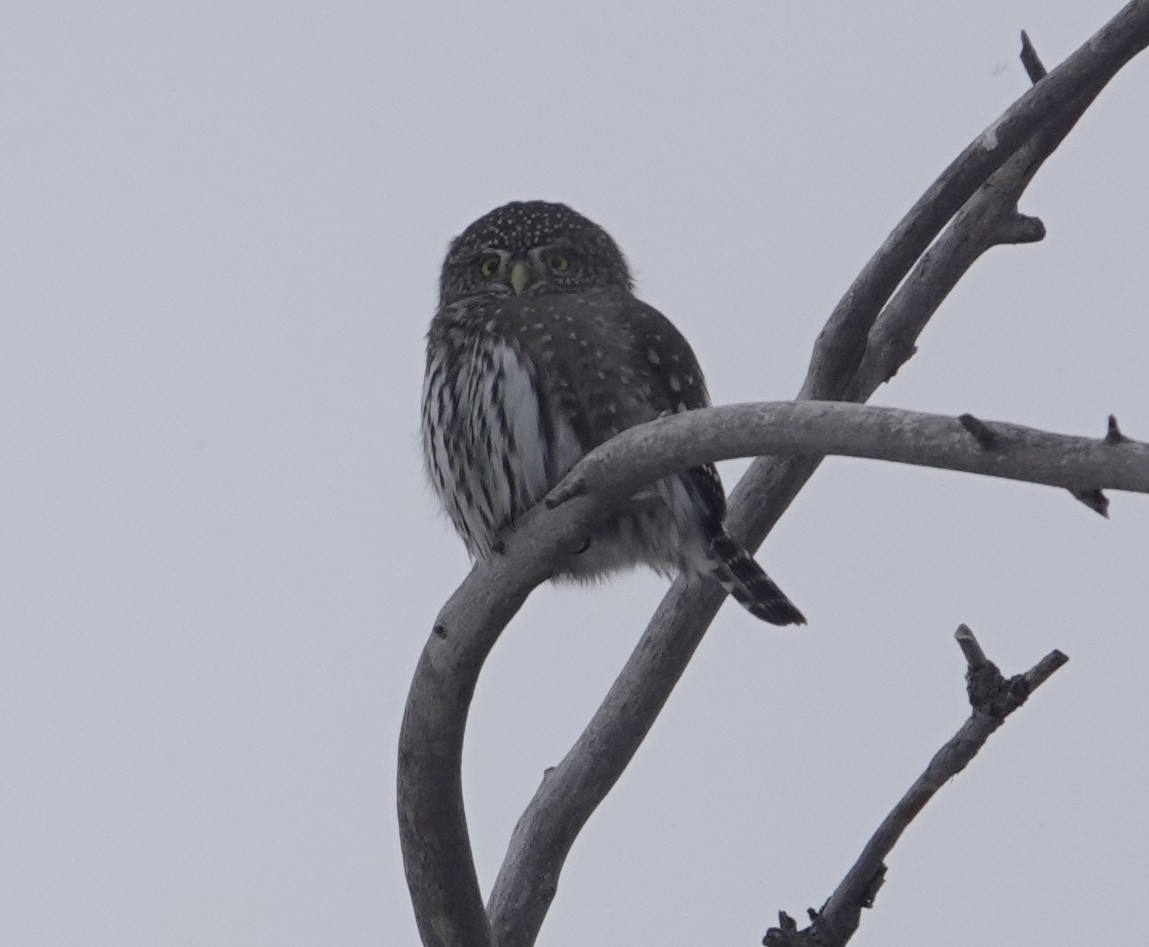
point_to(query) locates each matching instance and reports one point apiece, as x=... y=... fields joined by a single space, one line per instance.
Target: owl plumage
x=540 y=352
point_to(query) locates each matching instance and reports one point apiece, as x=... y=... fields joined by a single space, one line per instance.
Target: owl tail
x=752 y=588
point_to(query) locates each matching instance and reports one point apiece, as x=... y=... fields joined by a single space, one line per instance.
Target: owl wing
x=677 y=385
x=668 y=358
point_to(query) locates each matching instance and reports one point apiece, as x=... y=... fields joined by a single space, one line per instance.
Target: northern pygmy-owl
x=540 y=352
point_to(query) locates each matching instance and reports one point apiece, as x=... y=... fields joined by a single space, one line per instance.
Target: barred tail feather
x=738 y=573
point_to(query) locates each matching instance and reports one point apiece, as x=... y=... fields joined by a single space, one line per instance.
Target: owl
x=540 y=352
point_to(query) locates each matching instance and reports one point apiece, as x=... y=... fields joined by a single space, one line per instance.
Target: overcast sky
x=221 y=226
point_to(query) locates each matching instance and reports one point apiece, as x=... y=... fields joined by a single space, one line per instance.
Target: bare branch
x=841 y=343
x=636 y=457
x=1034 y=68
x=1096 y=500
x=982 y=432
x=990 y=218
x=993 y=698
x=1113 y=435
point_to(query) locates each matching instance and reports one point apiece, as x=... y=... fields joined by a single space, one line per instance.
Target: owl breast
x=491 y=449
x=516 y=392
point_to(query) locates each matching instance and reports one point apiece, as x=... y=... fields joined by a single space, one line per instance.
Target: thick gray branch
x=625 y=464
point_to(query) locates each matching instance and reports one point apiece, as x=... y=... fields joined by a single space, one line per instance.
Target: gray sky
x=220 y=233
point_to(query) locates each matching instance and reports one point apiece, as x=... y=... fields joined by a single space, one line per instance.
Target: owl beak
x=519 y=276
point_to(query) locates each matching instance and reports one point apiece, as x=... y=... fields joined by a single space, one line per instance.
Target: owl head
x=535 y=248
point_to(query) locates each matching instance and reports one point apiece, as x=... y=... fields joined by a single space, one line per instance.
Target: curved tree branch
x=611 y=473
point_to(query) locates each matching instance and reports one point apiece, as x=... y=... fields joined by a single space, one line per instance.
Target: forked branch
x=432 y=822
x=861 y=346
x=521 y=896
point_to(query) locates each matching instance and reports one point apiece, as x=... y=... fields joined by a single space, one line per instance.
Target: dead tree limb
x=992 y=698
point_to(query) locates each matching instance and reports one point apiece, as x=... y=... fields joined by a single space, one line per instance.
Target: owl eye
x=489 y=265
x=559 y=263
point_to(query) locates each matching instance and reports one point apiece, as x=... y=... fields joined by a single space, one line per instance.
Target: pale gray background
x=221 y=229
